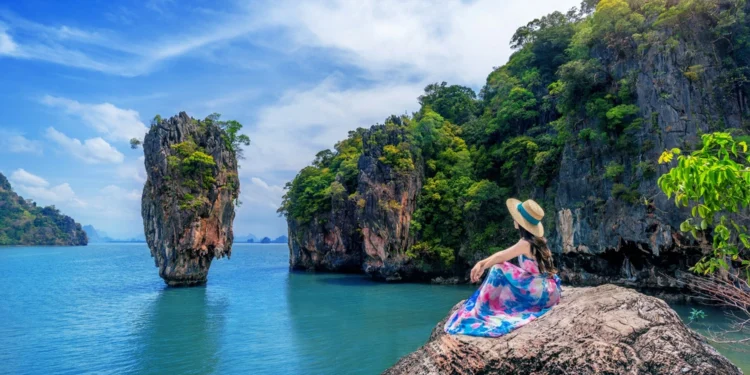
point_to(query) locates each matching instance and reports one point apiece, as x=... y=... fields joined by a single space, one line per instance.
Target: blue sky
x=78 y=79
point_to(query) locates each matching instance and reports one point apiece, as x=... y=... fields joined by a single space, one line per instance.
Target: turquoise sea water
x=103 y=309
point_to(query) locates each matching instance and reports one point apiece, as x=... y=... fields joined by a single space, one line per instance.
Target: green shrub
x=647 y=169
x=397 y=157
x=613 y=170
x=625 y=193
x=693 y=73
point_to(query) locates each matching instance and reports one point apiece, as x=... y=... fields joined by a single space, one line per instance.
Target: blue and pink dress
x=510 y=297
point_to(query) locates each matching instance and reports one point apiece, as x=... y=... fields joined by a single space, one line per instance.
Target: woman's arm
x=521 y=247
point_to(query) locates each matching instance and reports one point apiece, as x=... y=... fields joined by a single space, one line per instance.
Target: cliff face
x=366 y=229
x=680 y=93
x=23 y=223
x=328 y=242
x=188 y=200
x=603 y=330
x=389 y=198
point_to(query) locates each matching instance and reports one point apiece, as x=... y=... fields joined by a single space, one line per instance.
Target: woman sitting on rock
x=511 y=296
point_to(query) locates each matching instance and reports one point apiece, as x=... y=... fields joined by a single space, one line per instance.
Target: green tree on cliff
x=232 y=137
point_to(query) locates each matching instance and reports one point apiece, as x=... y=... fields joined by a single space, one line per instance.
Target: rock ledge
x=602 y=330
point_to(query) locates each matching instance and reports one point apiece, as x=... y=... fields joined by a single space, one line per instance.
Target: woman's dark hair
x=540 y=251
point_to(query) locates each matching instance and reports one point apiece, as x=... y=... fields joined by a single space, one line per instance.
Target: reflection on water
x=716 y=321
x=179 y=332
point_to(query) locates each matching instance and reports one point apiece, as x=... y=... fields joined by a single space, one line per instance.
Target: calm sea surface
x=103 y=309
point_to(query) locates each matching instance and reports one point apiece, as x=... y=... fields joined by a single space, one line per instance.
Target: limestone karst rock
x=673 y=76
x=602 y=330
x=189 y=197
x=368 y=231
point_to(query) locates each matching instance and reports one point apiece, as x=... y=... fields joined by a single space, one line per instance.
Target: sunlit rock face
x=188 y=200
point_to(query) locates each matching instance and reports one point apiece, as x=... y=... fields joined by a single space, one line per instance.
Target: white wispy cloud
x=7 y=46
x=17 y=143
x=92 y=151
x=31 y=186
x=112 y=53
x=20 y=176
x=120 y=193
x=113 y=209
x=289 y=133
x=116 y=124
x=457 y=41
x=257 y=214
x=159 y=6
x=133 y=171
x=58 y=194
x=259 y=193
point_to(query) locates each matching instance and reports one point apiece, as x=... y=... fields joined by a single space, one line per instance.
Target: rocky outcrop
x=602 y=330
x=22 y=222
x=623 y=229
x=188 y=200
x=368 y=231
x=327 y=243
x=389 y=199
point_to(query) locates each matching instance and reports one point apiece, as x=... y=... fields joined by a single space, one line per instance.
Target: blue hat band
x=526 y=215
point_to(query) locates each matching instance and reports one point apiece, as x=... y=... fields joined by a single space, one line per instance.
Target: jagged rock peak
x=188 y=200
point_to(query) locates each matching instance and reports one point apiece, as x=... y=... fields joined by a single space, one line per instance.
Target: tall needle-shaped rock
x=189 y=196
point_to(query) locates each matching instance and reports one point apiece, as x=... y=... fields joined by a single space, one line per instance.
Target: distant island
x=96 y=236
x=22 y=222
x=249 y=238
x=280 y=239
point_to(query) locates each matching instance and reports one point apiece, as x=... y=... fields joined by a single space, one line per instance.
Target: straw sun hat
x=528 y=215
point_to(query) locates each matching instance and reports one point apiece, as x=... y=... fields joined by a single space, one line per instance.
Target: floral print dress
x=510 y=297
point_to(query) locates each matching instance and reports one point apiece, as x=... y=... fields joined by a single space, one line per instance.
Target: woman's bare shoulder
x=524 y=247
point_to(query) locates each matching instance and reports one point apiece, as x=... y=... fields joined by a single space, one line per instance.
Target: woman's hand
x=477 y=271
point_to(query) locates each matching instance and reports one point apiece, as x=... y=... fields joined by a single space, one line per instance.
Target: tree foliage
x=22 y=222
x=455 y=103
x=233 y=139
x=715 y=182
x=331 y=178
x=568 y=90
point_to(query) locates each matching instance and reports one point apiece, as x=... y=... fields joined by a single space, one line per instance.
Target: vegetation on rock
x=570 y=88
x=22 y=222
x=189 y=196
x=715 y=182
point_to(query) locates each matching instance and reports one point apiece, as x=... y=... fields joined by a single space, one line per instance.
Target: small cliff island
x=189 y=197
x=22 y=222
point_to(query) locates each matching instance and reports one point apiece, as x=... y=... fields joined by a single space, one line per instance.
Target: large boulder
x=602 y=330
x=189 y=196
